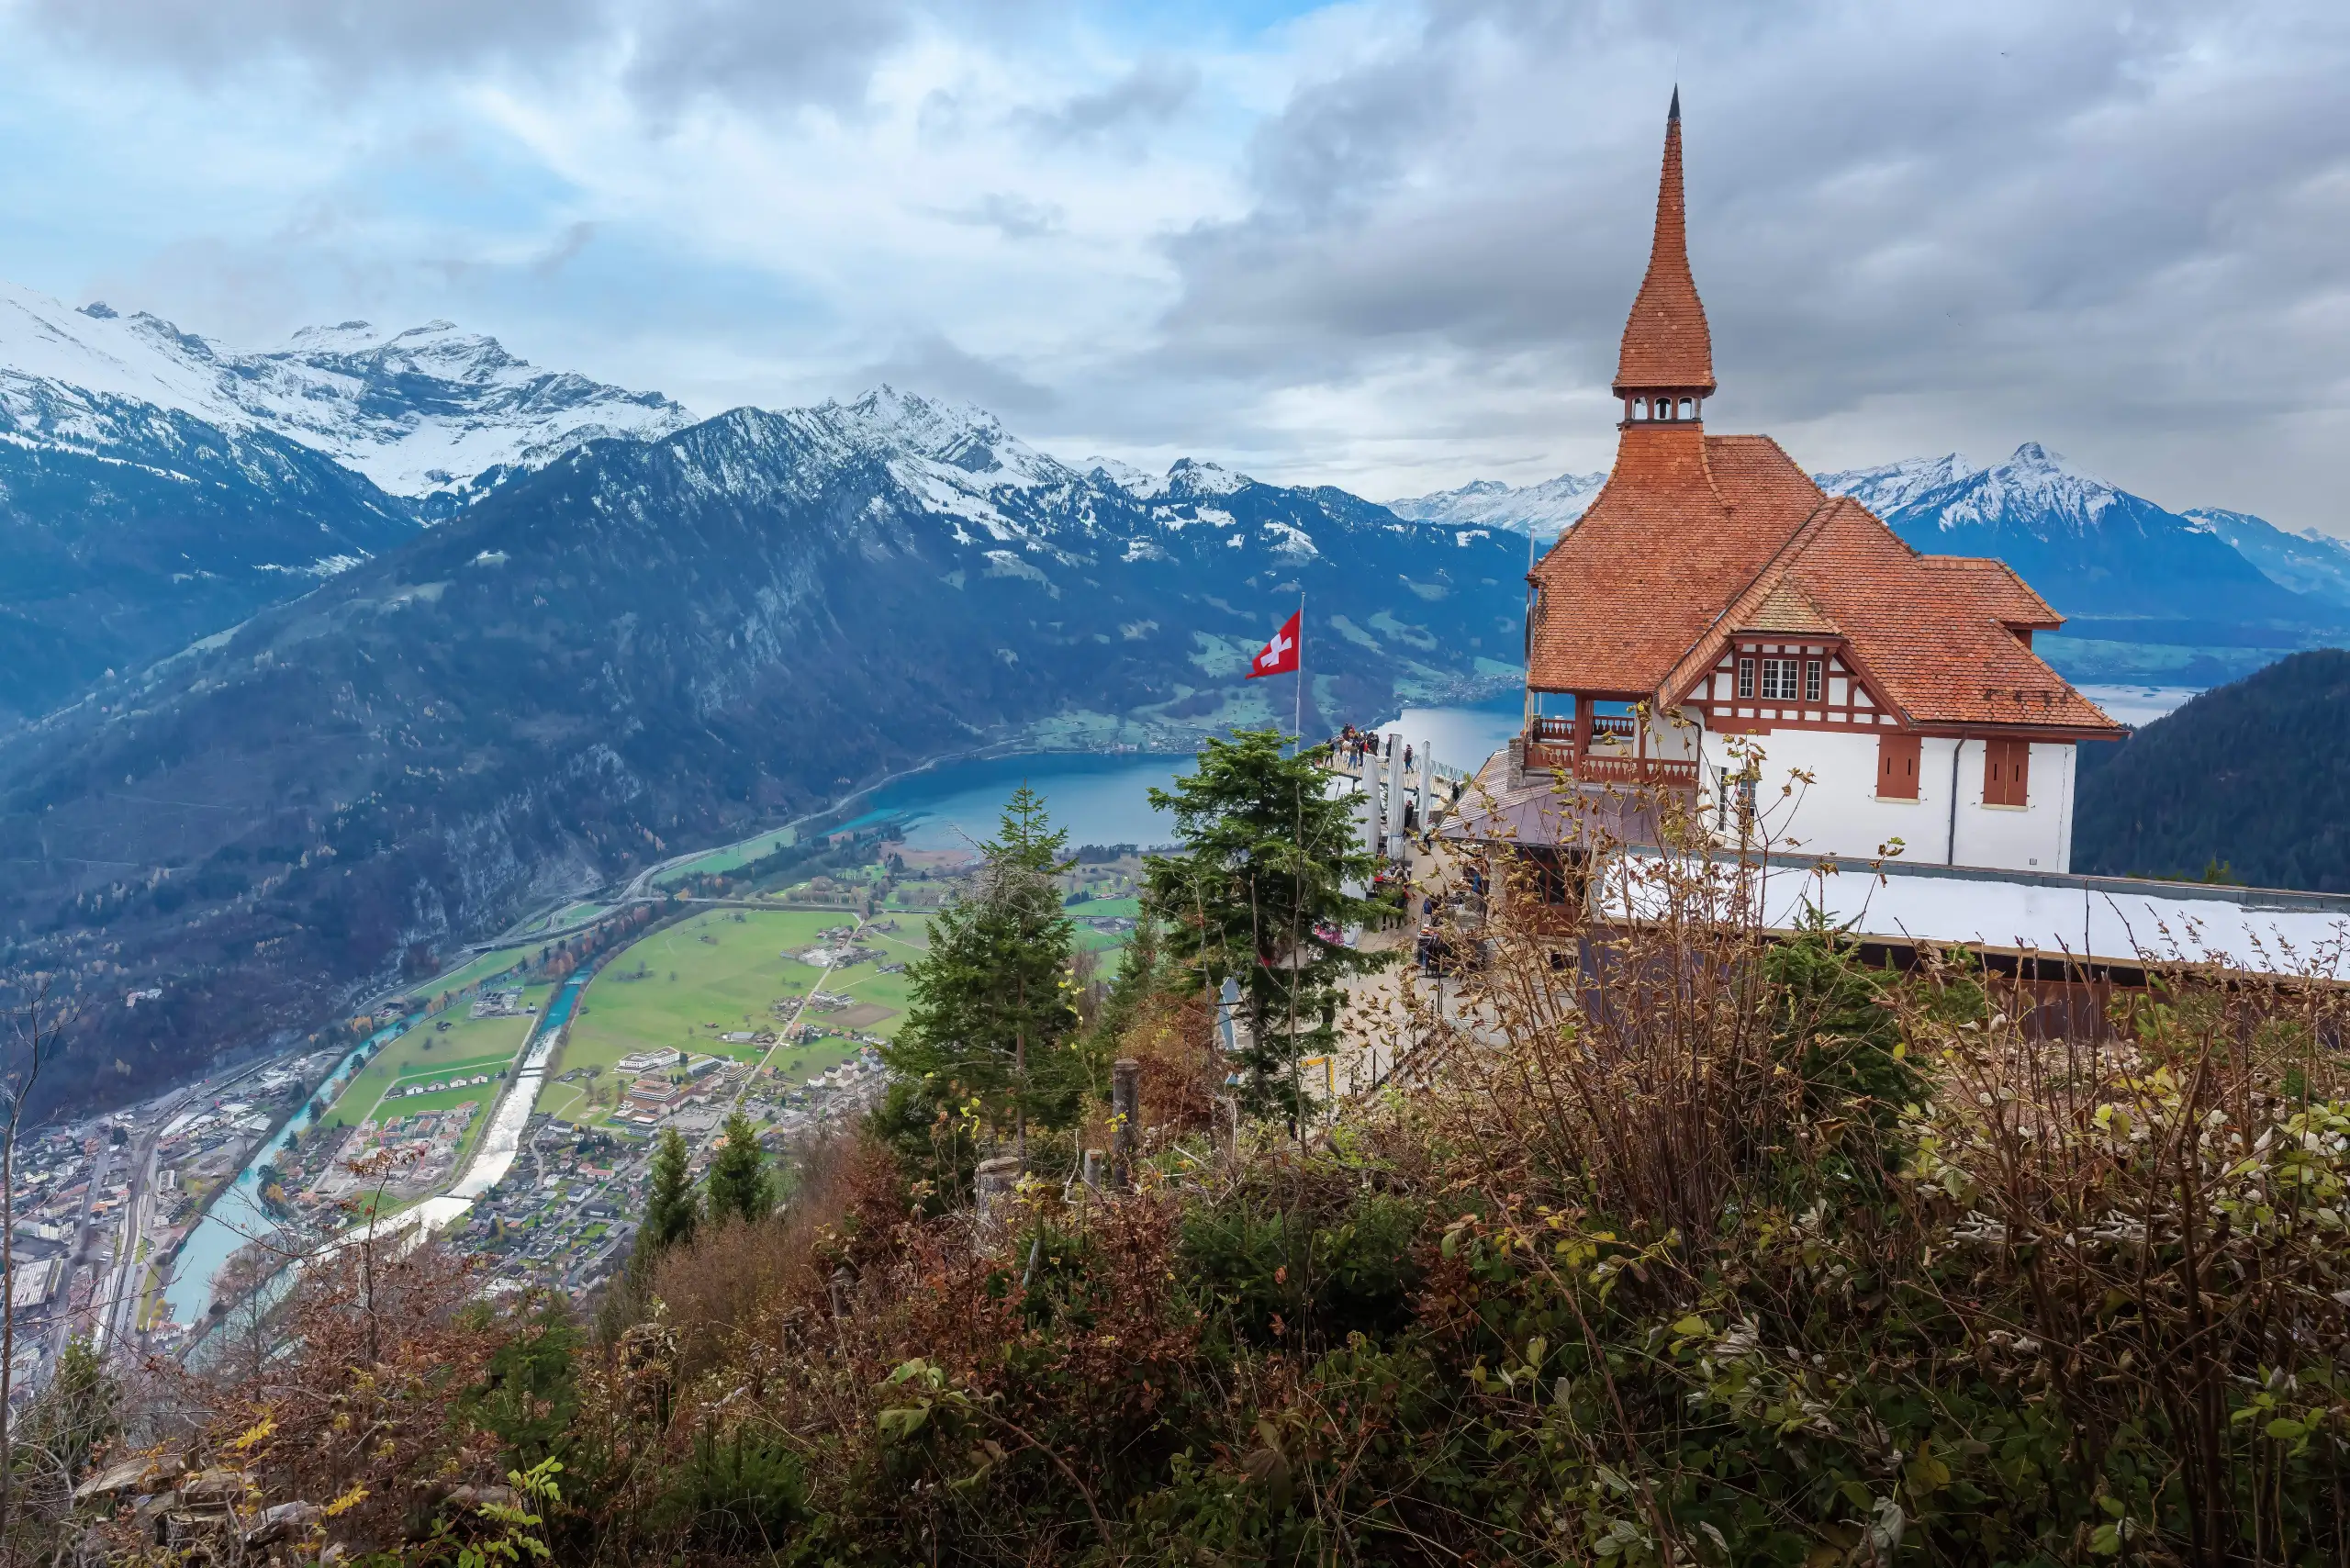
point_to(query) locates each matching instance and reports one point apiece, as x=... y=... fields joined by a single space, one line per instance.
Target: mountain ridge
x=2247 y=775
x=422 y=412
x=655 y=643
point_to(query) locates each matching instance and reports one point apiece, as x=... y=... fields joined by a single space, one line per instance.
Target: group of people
x=1354 y=744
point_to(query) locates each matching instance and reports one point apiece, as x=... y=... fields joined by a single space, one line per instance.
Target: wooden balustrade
x=1551 y=743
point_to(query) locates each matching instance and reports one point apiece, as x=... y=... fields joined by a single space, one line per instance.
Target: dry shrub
x=1933 y=1269
x=355 y=1416
x=716 y=1286
x=1047 y=1343
x=1183 y=1072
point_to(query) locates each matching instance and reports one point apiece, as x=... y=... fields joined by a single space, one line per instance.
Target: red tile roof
x=1994 y=584
x=1696 y=537
x=1683 y=523
x=1932 y=635
x=1666 y=344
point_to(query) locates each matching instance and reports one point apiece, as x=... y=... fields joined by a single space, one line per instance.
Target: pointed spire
x=1666 y=344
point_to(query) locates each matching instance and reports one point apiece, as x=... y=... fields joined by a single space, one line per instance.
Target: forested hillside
x=1710 y=1257
x=2254 y=777
x=658 y=645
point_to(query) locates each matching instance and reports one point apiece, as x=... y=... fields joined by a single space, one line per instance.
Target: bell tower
x=1665 y=372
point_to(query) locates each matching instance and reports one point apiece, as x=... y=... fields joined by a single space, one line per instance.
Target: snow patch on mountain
x=423 y=411
x=1550 y=509
x=1139 y=483
x=2034 y=491
x=1892 y=486
x=2307 y=562
x=1193 y=478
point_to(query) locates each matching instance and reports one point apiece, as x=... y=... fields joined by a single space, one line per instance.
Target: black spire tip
x=1672 y=115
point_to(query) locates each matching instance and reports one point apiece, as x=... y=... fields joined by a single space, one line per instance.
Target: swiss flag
x=1280 y=656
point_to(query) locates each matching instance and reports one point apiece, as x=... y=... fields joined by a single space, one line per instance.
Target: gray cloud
x=1154 y=92
x=755 y=53
x=932 y=364
x=1012 y=216
x=2120 y=226
x=348 y=38
x=567 y=246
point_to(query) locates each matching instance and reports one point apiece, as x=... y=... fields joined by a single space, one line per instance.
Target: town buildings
x=1718 y=629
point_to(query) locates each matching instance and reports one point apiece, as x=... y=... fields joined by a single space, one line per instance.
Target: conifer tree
x=739 y=1183
x=992 y=1005
x=1259 y=896
x=673 y=1210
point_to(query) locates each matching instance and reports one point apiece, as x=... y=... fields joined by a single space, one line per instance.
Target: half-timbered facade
x=1718 y=624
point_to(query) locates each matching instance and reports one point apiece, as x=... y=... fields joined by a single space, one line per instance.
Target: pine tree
x=992 y=1005
x=673 y=1210
x=1259 y=895
x=738 y=1175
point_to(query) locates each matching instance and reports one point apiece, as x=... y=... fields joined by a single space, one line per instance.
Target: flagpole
x=1297 y=721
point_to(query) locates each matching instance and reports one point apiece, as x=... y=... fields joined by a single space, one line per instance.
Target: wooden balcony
x=1610 y=754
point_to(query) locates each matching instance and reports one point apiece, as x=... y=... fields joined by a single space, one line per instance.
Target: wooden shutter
x=2007 y=772
x=1896 y=766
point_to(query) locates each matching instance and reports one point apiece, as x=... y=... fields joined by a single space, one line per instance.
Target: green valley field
x=724 y=973
x=429 y=1053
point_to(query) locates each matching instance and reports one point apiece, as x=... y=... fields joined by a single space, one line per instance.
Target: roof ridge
x=1713 y=622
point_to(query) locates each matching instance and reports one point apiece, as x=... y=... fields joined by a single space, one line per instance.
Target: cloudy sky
x=1388 y=245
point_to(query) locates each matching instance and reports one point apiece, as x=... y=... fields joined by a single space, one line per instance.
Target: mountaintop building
x=1717 y=625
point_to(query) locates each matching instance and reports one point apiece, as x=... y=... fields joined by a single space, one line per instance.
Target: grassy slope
x=430 y=1052
x=482 y=967
x=730 y=858
x=1102 y=908
x=726 y=971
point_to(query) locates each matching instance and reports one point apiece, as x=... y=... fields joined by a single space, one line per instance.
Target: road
x=119 y=1323
x=61 y=1322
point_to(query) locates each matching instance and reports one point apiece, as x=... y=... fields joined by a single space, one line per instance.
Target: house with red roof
x=1717 y=625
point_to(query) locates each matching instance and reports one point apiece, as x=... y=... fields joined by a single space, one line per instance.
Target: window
x=1897 y=766
x=1811 y=681
x=1779 y=679
x=1552 y=877
x=1743 y=785
x=2007 y=772
x=1746 y=678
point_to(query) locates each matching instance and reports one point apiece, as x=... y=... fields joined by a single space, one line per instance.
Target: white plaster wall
x=2033 y=838
x=1840 y=812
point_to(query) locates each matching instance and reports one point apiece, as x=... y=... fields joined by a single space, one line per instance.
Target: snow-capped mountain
x=962 y=465
x=1897 y=485
x=2308 y=562
x=663 y=642
x=2035 y=491
x=425 y=412
x=2126 y=569
x=1550 y=509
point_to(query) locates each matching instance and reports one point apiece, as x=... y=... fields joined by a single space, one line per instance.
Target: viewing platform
x=1600 y=748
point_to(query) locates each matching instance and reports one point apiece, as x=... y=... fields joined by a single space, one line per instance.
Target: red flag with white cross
x=1280 y=656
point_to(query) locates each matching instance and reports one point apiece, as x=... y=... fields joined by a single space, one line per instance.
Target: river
x=236 y=1215
x=1098 y=799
